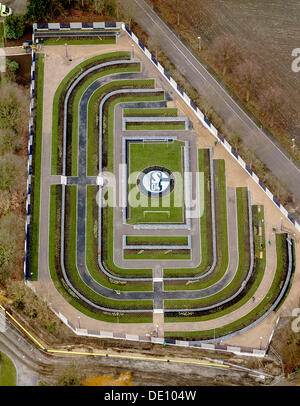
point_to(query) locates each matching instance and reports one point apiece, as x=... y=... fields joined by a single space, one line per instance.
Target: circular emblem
x=155 y=181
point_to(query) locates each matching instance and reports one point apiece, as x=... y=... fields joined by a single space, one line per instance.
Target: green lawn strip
x=8 y=373
x=61 y=286
x=205 y=227
x=284 y=259
x=154 y=112
x=252 y=286
x=79 y=42
x=161 y=209
x=108 y=211
x=109 y=126
x=92 y=250
x=156 y=254
x=77 y=94
x=244 y=260
x=93 y=107
x=158 y=126
x=156 y=240
x=71 y=266
x=61 y=91
x=36 y=173
x=254 y=314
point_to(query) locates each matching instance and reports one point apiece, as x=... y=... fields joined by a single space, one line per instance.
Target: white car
x=4 y=10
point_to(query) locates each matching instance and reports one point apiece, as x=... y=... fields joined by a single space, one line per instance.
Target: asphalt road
x=213 y=93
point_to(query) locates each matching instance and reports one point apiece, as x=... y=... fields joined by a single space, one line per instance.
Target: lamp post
x=260 y=342
x=199 y=40
x=66 y=45
x=281 y=224
x=293 y=146
x=78 y=321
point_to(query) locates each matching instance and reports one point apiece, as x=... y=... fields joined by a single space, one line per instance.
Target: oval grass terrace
x=91 y=296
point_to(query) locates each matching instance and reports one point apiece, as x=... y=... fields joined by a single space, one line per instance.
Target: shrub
x=14 y=26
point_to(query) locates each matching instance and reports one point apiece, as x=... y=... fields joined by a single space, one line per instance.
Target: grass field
x=8 y=374
x=154 y=112
x=156 y=254
x=158 y=126
x=164 y=209
x=79 y=42
x=156 y=240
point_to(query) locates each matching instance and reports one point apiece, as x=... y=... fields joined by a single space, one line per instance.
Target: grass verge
x=8 y=373
x=155 y=126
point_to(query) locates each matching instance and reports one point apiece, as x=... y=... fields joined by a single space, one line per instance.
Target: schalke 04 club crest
x=155 y=181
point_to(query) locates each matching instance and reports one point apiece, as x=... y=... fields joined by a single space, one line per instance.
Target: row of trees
x=45 y=10
x=236 y=64
x=13 y=134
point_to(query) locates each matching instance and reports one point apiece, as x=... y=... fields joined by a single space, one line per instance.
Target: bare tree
x=249 y=76
x=178 y=4
x=98 y=6
x=275 y=105
x=154 y=43
x=225 y=52
x=126 y=12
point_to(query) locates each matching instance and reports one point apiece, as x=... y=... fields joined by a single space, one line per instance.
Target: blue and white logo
x=156 y=181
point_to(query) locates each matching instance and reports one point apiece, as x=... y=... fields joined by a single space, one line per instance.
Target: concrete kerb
x=207 y=124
